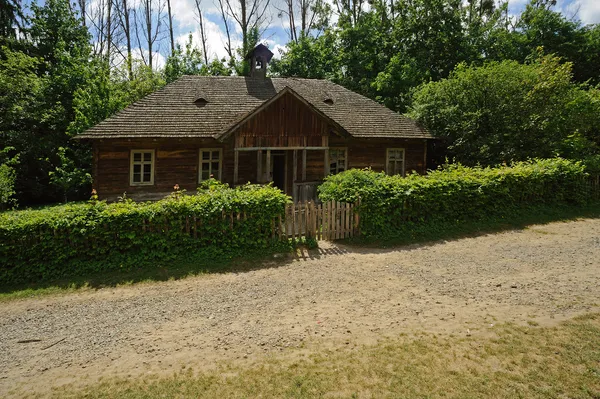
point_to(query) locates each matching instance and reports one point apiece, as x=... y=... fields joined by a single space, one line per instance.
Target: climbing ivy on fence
x=96 y=236
x=390 y=206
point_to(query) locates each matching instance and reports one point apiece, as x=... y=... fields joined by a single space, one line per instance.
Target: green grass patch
x=510 y=362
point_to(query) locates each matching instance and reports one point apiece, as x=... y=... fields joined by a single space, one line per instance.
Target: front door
x=278 y=169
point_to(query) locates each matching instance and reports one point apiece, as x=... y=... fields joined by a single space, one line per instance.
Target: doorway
x=278 y=169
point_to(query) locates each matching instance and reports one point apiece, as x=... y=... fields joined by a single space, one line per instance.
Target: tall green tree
x=41 y=85
x=507 y=111
x=11 y=15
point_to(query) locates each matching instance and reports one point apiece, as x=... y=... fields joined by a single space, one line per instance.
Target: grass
x=191 y=266
x=510 y=362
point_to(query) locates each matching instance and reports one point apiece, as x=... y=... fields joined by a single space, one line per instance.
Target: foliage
x=391 y=206
x=11 y=12
x=506 y=111
x=38 y=95
x=92 y=237
x=68 y=177
x=190 y=62
x=312 y=58
x=7 y=178
x=7 y=184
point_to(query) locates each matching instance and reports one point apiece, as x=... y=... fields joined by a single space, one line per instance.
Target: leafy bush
x=7 y=184
x=391 y=205
x=96 y=236
x=507 y=111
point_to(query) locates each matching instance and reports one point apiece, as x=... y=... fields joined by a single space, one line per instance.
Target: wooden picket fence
x=593 y=183
x=331 y=220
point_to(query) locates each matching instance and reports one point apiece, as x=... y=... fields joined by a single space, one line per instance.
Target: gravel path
x=333 y=296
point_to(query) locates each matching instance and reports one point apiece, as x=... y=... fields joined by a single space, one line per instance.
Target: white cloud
x=158 y=60
x=184 y=12
x=588 y=11
x=216 y=39
x=274 y=47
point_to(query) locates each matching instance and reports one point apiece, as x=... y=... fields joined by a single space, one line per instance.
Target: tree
x=149 y=21
x=203 y=36
x=171 y=27
x=249 y=16
x=188 y=62
x=8 y=178
x=11 y=16
x=313 y=58
x=507 y=111
x=67 y=177
x=304 y=16
x=124 y=12
x=38 y=95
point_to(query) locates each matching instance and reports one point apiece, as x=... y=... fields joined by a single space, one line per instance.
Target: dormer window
x=201 y=102
x=328 y=101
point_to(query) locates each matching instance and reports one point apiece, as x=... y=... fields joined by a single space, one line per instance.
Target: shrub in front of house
x=82 y=238
x=390 y=206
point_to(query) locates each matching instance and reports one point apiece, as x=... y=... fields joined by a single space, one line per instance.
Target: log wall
x=176 y=162
x=371 y=153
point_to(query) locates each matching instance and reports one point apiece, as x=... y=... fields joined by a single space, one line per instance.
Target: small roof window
x=201 y=102
x=328 y=101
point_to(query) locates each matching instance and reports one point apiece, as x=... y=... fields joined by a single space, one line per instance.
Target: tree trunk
x=128 y=39
x=202 y=33
x=171 y=27
x=148 y=15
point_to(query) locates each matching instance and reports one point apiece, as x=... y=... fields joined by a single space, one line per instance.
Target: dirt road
x=333 y=296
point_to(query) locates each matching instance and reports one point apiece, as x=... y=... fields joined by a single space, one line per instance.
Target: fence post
x=357 y=217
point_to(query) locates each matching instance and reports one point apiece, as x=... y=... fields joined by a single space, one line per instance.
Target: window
x=142 y=168
x=338 y=160
x=395 y=161
x=210 y=163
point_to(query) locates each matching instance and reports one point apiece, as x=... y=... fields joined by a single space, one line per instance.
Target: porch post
x=326 y=165
x=304 y=164
x=295 y=170
x=259 y=166
x=295 y=176
x=236 y=155
x=268 y=166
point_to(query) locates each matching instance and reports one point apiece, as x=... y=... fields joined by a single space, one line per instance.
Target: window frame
x=221 y=163
x=345 y=149
x=152 y=153
x=387 y=161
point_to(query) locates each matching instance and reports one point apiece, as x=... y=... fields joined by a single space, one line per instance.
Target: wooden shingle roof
x=172 y=112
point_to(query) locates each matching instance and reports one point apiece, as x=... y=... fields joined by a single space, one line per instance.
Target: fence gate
x=331 y=220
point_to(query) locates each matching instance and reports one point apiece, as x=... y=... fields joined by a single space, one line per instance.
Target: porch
x=297 y=171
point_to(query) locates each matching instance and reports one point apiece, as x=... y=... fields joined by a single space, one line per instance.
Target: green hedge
x=82 y=238
x=391 y=205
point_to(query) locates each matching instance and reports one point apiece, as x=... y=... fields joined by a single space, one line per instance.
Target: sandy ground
x=333 y=296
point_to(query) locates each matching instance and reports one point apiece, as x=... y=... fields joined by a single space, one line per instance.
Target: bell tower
x=259 y=59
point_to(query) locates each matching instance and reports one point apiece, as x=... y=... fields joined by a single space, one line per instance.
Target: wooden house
x=288 y=131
